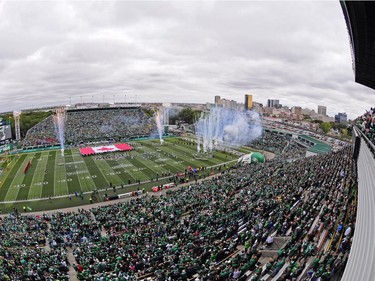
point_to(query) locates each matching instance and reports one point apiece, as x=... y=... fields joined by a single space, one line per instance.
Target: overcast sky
x=297 y=52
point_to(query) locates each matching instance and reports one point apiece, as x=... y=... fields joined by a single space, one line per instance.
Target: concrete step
x=269 y=253
x=278 y=242
x=72 y=260
x=278 y=275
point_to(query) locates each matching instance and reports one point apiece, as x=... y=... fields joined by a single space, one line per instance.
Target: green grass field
x=52 y=175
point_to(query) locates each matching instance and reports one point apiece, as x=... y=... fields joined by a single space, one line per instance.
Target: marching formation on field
x=216 y=229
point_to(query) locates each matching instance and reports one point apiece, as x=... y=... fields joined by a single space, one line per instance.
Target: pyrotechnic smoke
x=59 y=121
x=226 y=127
x=161 y=119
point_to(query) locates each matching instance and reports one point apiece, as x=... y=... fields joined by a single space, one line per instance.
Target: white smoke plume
x=226 y=127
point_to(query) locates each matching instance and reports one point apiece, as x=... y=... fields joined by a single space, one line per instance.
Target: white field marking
x=70 y=163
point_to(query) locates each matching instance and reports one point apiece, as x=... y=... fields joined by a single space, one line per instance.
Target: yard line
x=48 y=189
x=60 y=186
x=85 y=178
x=180 y=151
x=37 y=183
x=100 y=180
x=138 y=169
x=160 y=169
x=23 y=193
x=109 y=173
x=135 y=172
x=17 y=181
x=219 y=158
x=173 y=162
x=135 y=169
x=7 y=180
x=114 y=164
x=71 y=172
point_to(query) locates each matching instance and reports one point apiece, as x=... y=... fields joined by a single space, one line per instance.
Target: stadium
x=106 y=191
x=243 y=208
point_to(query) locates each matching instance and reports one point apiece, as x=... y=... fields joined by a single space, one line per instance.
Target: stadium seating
x=216 y=229
x=281 y=145
x=93 y=125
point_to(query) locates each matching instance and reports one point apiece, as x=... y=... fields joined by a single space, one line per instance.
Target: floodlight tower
x=16 y=115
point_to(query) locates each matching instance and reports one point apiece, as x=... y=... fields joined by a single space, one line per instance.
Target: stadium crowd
x=91 y=125
x=23 y=255
x=216 y=229
x=366 y=123
x=282 y=145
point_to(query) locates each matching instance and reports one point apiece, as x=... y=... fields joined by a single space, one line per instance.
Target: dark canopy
x=360 y=20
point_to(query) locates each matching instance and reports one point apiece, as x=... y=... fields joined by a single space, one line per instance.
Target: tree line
x=27 y=120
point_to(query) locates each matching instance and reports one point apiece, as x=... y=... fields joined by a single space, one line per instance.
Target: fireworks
x=161 y=119
x=59 y=121
x=226 y=127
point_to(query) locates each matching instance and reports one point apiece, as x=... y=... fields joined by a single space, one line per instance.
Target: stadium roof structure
x=360 y=21
x=318 y=146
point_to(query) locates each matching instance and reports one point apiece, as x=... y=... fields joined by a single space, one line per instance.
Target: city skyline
x=296 y=52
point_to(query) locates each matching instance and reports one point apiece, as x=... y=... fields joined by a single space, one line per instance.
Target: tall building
x=297 y=110
x=248 y=102
x=340 y=118
x=233 y=104
x=226 y=103
x=322 y=110
x=217 y=99
x=273 y=103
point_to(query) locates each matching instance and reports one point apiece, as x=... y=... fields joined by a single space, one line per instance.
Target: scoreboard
x=5 y=132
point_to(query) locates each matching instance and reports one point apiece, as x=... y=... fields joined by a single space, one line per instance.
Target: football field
x=50 y=174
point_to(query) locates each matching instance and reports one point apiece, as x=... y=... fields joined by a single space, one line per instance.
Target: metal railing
x=361 y=262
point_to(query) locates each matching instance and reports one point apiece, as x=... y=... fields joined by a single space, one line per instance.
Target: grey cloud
x=297 y=52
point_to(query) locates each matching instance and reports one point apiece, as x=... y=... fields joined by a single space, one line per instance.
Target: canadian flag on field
x=106 y=148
